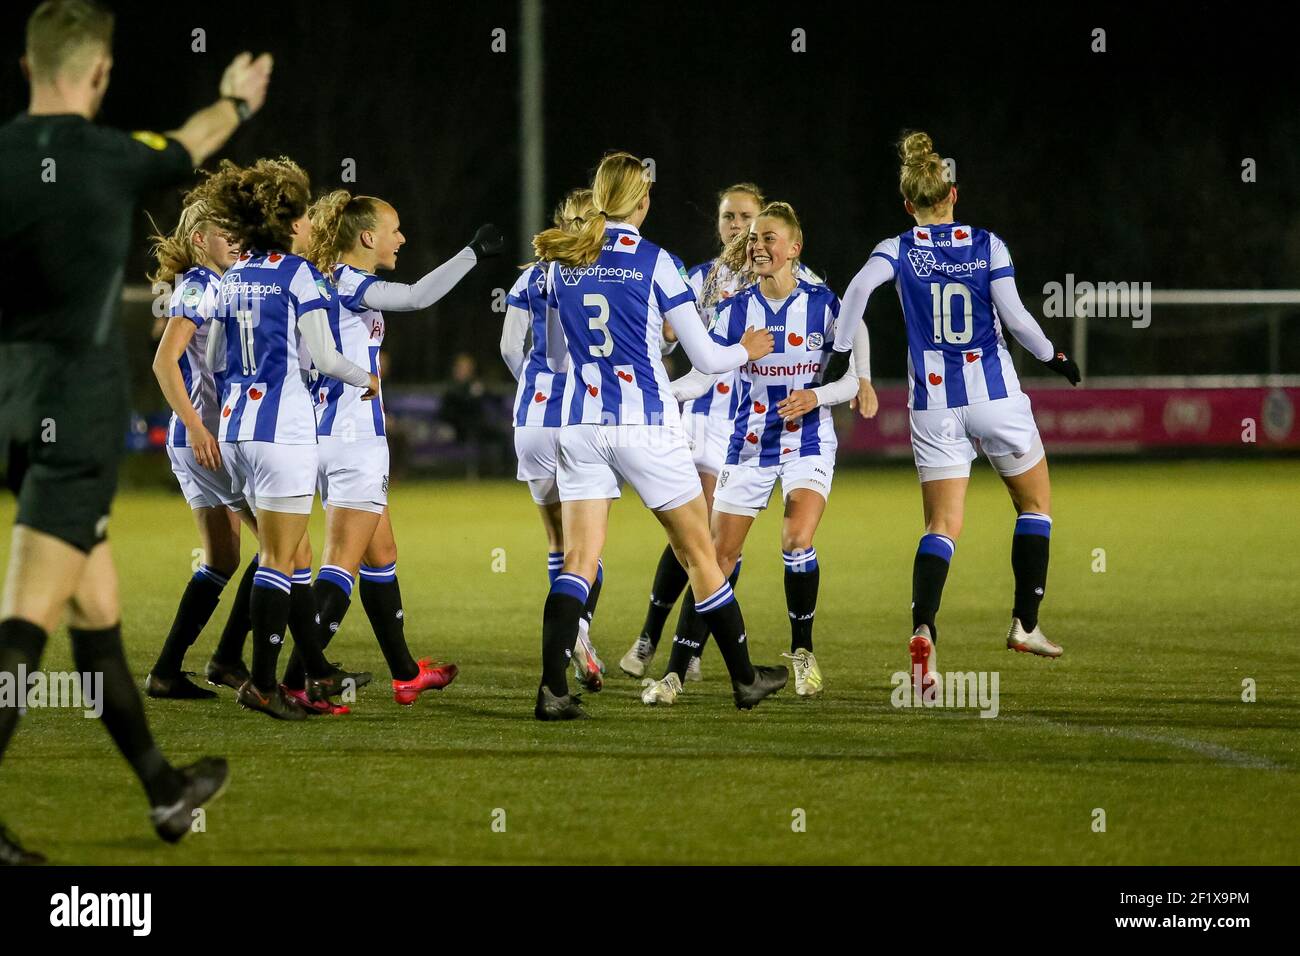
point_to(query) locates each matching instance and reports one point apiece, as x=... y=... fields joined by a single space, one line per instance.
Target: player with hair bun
x=782 y=429
x=193 y=258
x=957 y=288
x=273 y=320
x=542 y=371
x=350 y=239
x=612 y=290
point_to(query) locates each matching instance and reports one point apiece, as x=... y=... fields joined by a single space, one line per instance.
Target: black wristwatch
x=242 y=109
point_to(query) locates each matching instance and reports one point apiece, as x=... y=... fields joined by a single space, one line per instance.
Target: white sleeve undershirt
x=691 y=385
x=400 y=297
x=705 y=354
x=846 y=387
x=315 y=329
x=1017 y=319
x=875 y=273
x=514 y=336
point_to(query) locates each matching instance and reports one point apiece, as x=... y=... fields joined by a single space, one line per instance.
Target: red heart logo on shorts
x=795 y=339
x=225 y=412
x=752 y=438
x=760 y=407
x=593 y=390
x=787 y=451
x=724 y=389
x=625 y=376
x=539 y=397
x=792 y=426
x=972 y=356
x=936 y=379
x=254 y=394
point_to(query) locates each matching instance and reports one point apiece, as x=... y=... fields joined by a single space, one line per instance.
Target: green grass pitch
x=1143 y=718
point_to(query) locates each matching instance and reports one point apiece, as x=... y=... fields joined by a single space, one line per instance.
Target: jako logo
x=103 y=909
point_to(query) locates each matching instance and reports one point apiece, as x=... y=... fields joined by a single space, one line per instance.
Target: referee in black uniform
x=67 y=196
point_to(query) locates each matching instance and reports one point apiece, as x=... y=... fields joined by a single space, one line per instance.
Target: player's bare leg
x=1031 y=493
x=944 y=504
x=804 y=508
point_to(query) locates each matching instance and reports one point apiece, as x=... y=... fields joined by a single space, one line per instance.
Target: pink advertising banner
x=1120 y=419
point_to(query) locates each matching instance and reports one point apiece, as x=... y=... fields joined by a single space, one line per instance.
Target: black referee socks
x=100 y=652
x=21 y=645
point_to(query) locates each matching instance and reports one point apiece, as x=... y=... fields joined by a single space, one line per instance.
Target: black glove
x=1065 y=366
x=487 y=242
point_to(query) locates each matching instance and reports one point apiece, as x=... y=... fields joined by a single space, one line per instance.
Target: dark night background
x=1119 y=166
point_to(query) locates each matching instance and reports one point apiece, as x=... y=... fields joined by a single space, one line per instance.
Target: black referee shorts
x=63 y=419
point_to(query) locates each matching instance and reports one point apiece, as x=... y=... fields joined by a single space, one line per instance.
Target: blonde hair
x=923 y=179
x=176 y=253
x=61 y=32
x=735 y=253
x=337 y=221
x=257 y=205
x=574 y=209
x=749 y=189
x=621 y=182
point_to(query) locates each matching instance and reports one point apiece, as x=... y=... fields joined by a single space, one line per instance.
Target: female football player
x=351 y=239
x=541 y=371
x=194 y=257
x=273 y=319
x=957 y=287
x=782 y=429
x=612 y=290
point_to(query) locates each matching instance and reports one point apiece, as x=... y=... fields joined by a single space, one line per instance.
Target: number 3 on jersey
x=942 y=295
x=599 y=323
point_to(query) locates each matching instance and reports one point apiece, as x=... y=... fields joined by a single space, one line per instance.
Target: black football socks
x=21 y=646
x=929 y=572
x=1029 y=552
x=670 y=580
x=382 y=599
x=564 y=606
x=197 y=604
x=802 y=578
x=230 y=647
x=269 y=609
x=332 y=593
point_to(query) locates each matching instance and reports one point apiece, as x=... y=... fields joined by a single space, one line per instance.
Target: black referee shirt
x=68 y=192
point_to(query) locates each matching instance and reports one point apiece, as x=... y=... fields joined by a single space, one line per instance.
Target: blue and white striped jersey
x=720 y=401
x=803 y=328
x=358 y=335
x=956 y=354
x=195 y=298
x=264 y=393
x=612 y=316
x=539 y=399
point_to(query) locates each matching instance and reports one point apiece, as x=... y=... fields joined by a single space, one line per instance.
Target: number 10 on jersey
x=942 y=294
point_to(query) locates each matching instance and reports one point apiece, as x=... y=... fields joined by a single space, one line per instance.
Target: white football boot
x=587 y=667
x=807 y=675
x=637 y=660
x=922 y=651
x=661 y=691
x=1031 y=642
x=693 y=669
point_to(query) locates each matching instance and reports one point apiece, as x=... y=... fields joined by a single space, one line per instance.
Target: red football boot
x=300 y=698
x=434 y=675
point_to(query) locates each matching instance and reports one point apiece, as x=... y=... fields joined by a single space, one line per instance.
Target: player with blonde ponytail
x=612 y=290
x=351 y=238
x=541 y=370
x=957 y=287
x=191 y=260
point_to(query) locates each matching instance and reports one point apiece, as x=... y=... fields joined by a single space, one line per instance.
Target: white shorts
x=353 y=473
x=708 y=438
x=271 y=476
x=596 y=459
x=946 y=440
x=538 y=450
x=744 y=489
x=203 y=488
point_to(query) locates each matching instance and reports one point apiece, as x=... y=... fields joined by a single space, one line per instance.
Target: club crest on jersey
x=323 y=288
x=191 y=296
x=922 y=261
x=815 y=341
